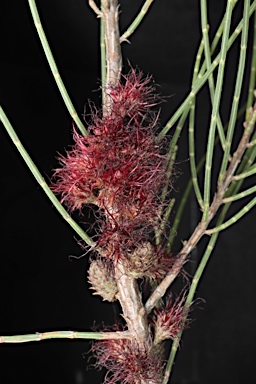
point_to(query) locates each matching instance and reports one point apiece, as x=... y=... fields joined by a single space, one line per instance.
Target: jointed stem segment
x=74 y=335
x=54 y=68
x=34 y=170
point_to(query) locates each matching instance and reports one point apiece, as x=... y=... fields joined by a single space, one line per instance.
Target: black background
x=40 y=288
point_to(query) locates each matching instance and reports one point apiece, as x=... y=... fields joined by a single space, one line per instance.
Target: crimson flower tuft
x=134 y=96
x=171 y=319
x=121 y=168
x=127 y=363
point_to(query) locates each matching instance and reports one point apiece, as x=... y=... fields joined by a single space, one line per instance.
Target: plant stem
x=74 y=335
x=103 y=57
x=233 y=219
x=136 y=22
x=202 y=79
x=237 y=92
x=201 y=228
x=216 y=41
x=252 y=81
x=188 y=302
x=201 y=267
x=54 y=68
x=248 y=173
x=207 y=52
x=133 y=310
x=36 y=173
x=215 y=110
x=240 y=195
x=192 y=155
x=94 y=7
x=128 y=294
x=113 y=50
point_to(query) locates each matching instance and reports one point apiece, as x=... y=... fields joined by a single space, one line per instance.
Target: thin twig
x=200 y=230
x=74 y=335
x=136 y=22
x=95 y=8
x=202 y=79
x=54 y=68
x=39 y=178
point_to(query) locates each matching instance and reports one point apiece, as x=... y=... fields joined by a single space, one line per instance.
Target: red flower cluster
x=120 y=168
x=127 y=363
x=171 y=319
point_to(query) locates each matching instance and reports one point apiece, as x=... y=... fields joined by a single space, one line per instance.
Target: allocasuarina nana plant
x=123 y=164
x=121 y=167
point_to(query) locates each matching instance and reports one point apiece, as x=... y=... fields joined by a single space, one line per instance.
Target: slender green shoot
x=136 y=22
x=233 y=219
x=252 y=81
x=103 y=56
x=73 y=335
x=51 y=335
x=215 y=110
x=215 y=41
x=54 y=68
x=178 y=129
x=247 y=161
x=202 y=79
x=192 y=155
x=240 y=195
x=237 y=92
x=251 y=171
x=207 y=52
x=252 y=143
x=244 y=167
x=202 y=161
x=168 y=210
x=192 y=291
x=198 y=60
x=191 y=129
x=39 y=178
x=169 y=171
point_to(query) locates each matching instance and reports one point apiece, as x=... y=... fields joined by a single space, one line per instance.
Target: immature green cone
x=102 y=281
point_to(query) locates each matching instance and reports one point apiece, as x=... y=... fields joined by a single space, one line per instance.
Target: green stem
x=191 y=293
x=202 y=79
x=248 y=173
x=215 y=41
x=215 y=110
x=136 y=22
x=196 y=278
x=233 y=219
x=169 y=171
x=178 y=129
x=54 y=68
x=207 y=52
x=240 y=195
x=31 y=165
x=73 y=335
x=192 y=155
x=103 y=57
x=237 y=92
x=252 y=81
x=246 y=163
x=190 y=184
